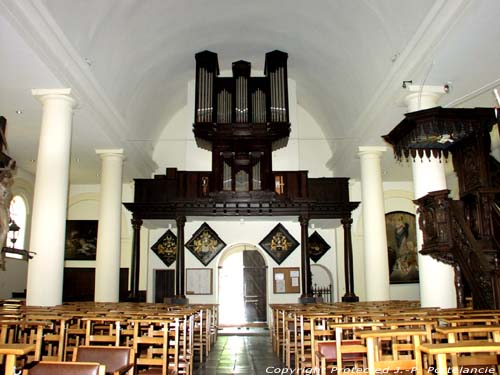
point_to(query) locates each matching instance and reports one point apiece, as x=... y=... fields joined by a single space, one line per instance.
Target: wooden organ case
x=242 y=120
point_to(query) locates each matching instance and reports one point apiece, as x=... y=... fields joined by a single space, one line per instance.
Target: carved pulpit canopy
x=436 y=130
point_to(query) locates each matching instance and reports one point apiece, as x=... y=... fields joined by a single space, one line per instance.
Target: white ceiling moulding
x=441 y=18
x=35 y=25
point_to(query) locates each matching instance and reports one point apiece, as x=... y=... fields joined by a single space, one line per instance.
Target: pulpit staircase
x=464 y=232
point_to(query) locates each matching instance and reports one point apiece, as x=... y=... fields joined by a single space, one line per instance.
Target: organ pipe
x=241 y=98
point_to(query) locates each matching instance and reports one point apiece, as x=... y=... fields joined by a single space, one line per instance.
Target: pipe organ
x=241 y=98
x=242 y=120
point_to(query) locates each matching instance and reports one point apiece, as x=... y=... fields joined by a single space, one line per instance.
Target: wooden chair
x=102 y=331
x=65 y=368
x=469 y=334
x=351 y=350
x=156 y=346
x=75 y=333
x=117 y=359
x=201 y=343
x=402 y=355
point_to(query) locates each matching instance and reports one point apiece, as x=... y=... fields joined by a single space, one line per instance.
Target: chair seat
x=118 y=360
x=67 y=368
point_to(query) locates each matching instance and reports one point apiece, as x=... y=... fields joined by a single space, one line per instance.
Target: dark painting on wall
x=205 y=244
x=402 y=247
x=279 y=244
x=81 y=240
x=317 y=246
x=166 y=247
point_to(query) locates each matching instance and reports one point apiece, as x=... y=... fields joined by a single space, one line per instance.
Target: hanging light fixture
x=11 y=251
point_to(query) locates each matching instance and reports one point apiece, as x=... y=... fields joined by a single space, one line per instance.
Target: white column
x=107 y=272
x=437 y=280
x=374 y=233
x=48 y=222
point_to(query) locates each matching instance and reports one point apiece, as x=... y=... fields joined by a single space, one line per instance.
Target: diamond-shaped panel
x=205 y=244
x=317 y=246
x=279 y=244
x=166 y=247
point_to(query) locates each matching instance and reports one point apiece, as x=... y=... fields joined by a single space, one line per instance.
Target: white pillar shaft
x=45 y=275
x=107 y=276
x=374 y=233
x=437 y=280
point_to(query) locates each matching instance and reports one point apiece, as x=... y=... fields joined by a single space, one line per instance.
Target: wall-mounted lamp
x=11 y=251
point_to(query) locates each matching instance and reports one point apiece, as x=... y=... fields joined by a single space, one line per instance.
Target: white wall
x=247 y=231
x=83 y=204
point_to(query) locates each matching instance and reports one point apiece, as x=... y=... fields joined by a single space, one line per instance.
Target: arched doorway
x=322 y=283
x=242 y=286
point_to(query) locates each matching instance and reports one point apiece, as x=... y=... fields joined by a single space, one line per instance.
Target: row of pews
x=383 y=337
x=162 y=338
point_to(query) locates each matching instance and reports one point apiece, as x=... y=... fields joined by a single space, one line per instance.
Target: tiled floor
x=242 y=355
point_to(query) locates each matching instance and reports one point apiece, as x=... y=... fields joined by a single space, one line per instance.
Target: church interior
x=238 y=187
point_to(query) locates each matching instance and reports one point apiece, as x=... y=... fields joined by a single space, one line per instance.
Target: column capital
x=180 y=221
x=46 y=94
x=103 y=153
x=423 y=97
x=372 y=150
x=304 y=220
x=136 y=223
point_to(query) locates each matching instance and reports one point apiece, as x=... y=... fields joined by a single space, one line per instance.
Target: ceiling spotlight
x=19 y=111
x=447 y=87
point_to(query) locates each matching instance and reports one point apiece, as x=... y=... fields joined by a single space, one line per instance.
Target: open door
x=254 y=286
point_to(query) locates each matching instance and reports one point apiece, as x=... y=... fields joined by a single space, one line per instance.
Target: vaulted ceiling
x=129 y=61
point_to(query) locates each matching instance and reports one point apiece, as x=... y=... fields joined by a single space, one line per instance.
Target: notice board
x=286 y=280
x=199 y=281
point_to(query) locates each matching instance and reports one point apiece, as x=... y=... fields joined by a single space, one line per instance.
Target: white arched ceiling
x=142 y=52
x=129 y=62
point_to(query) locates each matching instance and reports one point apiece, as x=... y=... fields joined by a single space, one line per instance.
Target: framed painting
x=279 y=244
x=81 y=240
x=205 y=244
x=402 y=247
x=317 y=246
x=166 y=247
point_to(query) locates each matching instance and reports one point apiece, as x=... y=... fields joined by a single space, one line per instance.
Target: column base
x=307 y=299
x=350 y=298
x=180 y=300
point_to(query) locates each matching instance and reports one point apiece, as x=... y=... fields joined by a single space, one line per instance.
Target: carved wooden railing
x=495 y=224
x=448 y=237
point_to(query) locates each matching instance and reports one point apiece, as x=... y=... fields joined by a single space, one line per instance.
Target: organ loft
x=242 y=120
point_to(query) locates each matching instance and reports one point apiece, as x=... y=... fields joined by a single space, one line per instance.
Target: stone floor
x=242 y=355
